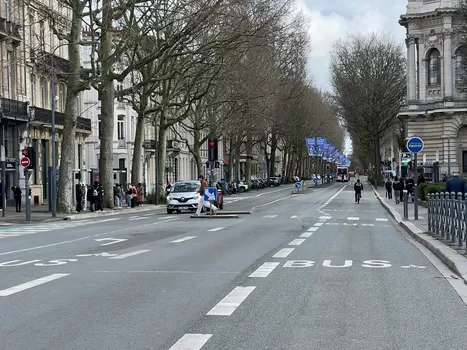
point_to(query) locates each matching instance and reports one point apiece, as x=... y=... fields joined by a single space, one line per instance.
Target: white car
x=183 y=195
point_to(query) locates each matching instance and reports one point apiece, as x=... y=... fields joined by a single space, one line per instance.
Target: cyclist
x=358 y=188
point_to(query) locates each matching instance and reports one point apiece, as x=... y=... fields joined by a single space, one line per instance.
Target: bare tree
x=368 y=78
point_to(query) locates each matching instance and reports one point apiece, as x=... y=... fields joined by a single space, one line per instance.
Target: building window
x=434 y=68
x=61 y=97
x=41 y=35
x=33 y=89
x=43 y=93
x=9 y=72
x=31 y=33
x=99 y=126
x=120 y=127
x=460 y=67
x=119 y=88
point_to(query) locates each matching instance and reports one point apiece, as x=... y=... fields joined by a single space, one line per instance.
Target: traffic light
x=30 y=153
x=212 y=149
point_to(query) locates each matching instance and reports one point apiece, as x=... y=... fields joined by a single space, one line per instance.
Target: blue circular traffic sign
x=315 y=179
x=415 y=144
x=298 y=184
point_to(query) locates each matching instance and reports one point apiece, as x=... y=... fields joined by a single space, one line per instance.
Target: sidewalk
x=41 y=214
x=418 y=229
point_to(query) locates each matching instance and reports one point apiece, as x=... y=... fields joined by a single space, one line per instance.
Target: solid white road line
x=318 y=224
x=283 y=253
x=313 y=229
x=269 y=216
x=231 y=302
x=331 y=199
x=183 y=239
x=127 y=255
x=353 y=218
x=216 y=229
x=381 y=219
x=31 y=284
x=297 y=242
x=191 y=342
x=306 y=234
x=325 y=217
x=265 y=269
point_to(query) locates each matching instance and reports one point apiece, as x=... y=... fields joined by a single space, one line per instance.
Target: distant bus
x=343 y=174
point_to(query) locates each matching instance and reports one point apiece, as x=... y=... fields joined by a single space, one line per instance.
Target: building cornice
x=404 y=19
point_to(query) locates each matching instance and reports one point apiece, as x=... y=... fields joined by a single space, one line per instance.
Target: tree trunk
x=238 y=173
x=249 y=157
x=107 y=108
x=162 y=150
x=197 y=151
x=272 y=159
x=377 y=162
x=136 y=166
x=65 y=182
x=231 y=161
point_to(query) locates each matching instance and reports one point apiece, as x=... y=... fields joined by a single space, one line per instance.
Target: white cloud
x=331 y=20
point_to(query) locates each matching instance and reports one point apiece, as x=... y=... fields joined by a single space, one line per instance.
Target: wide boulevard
x=306 y=271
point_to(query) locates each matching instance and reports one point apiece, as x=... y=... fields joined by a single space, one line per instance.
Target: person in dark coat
x=90 y=196
x=388 y=185
x=456 y=184
x=17 y=195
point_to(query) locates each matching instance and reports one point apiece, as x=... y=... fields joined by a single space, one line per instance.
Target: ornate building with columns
x=436 y=105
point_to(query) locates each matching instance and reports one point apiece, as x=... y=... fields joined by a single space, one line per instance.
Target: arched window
x=43 y=93
x=460 y=64
x=434 y=68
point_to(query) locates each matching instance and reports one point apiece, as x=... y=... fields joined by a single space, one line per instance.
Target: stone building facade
x=436 y=106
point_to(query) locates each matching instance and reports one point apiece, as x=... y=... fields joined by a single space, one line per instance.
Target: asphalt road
x=309 y=271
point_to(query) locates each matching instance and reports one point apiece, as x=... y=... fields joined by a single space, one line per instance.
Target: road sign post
x=210 y=194
x=25 y=162
x=415 y=145
x=3 y=165
x=28 y=200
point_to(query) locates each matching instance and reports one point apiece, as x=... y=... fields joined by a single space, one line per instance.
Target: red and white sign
x=25 y=162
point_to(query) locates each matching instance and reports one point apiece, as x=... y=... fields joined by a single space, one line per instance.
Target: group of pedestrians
x=398 y=185
x=133 y=196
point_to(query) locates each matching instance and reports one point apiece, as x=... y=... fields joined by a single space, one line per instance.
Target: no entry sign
x=25 y=162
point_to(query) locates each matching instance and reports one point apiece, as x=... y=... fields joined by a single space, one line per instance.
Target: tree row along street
x=304 y=271
x=234 y=70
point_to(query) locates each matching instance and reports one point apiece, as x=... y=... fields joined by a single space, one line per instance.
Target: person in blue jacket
x=456 y=184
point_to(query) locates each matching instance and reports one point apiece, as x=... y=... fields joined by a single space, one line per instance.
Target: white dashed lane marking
x=313 y=229
x=353 y=218
x=325 y=217
x=31 y=284
x=127 y=255
x=283 y=253
x=294 y=217
x=265 y=269
x=191 y=342
x=231 y=302
x=381 y=219
x=183 y=239
x=216 y=229
x=297 y=241
x=269 y=216
x=318 y=224
x=306 y=234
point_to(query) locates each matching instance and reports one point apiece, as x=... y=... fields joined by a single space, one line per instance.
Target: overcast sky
x=333 y=19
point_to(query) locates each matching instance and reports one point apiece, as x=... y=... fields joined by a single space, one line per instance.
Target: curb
x=219 y=216
x=111 y=212
x=451 y=258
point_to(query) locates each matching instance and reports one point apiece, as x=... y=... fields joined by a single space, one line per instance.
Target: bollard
x=430 y=213
x=406 y=204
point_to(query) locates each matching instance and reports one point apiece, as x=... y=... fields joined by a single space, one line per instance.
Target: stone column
x=411 y=73
x=422 y=73
x=447 y=60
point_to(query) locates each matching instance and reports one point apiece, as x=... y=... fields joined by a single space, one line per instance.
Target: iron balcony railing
x=447 y=217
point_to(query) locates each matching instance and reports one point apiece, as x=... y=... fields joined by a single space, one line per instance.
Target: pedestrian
x=118 y=196
x=78 y=195
x=129 y=195
x=201 y=202
x=133 y=196
x=397 y=186
x=90 y=196
x=456 y=184
x=95 y=195
x=100 y=194
x=388 y=189
x=17 y=195
x=139 y=195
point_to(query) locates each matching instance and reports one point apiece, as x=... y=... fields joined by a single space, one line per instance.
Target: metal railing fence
x=447 y=216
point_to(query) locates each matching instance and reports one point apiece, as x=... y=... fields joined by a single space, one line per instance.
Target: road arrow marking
x=114 y=240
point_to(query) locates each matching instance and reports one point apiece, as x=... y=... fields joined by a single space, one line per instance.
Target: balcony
x=14 y=109
x=44 y=116
x=61 y=65
x=9 y=29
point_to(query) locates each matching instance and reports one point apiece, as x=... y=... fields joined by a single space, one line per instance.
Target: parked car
x=242 y=187
x=274 y=181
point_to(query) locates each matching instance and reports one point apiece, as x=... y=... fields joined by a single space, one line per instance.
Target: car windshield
x=185 y=187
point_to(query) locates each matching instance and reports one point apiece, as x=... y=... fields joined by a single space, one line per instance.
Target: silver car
x=184 y=195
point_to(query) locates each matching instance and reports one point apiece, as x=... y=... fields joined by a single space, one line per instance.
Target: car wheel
x=179 y=211
x=241 y=189
x=169 y=211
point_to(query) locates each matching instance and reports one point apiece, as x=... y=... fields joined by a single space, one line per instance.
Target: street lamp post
x=448 y=138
